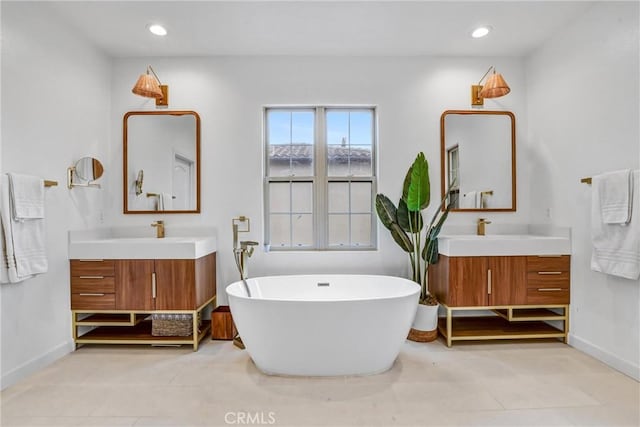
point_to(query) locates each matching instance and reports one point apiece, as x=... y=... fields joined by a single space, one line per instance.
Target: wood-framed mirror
x=161 y=162
x=478 y=155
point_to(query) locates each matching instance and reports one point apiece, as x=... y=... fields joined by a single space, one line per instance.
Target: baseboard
x=612 y=360
x=35 y=364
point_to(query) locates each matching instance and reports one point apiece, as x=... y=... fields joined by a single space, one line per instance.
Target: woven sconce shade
x=495 y=86
x=147 y=86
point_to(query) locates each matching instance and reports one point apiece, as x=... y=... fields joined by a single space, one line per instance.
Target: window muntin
x=349 y=142
x=320 y=182
x=291 y=213
x=290 y=136
x=349 y=209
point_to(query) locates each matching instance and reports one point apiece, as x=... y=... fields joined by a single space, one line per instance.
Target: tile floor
x=471 y=384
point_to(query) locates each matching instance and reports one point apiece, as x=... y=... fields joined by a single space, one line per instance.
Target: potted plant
x=408 y=230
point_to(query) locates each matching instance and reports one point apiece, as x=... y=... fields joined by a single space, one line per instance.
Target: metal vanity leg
x=449 y=327
x=74 y=329
x=196 y=332
x=566 y=324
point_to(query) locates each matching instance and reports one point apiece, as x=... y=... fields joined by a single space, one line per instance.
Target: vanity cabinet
x=135 y=284
x=163 y=284
x=524 y=293
x=548 y=279
x=481 y=281
x=92 y=284
x=118 y=297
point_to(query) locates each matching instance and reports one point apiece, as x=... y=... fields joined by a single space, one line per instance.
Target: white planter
x=426 y=318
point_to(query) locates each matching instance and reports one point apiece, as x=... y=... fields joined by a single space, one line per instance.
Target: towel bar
x=157 y=195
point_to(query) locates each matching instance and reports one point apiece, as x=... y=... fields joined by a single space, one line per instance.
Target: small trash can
x=222 y=327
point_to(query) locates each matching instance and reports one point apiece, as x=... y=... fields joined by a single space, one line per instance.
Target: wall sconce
x=139 y=182
x=495 y=87
x=150 y=87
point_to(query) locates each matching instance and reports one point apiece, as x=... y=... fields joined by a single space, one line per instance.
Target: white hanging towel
x=5 y=236
x=27 y=196
x=470 y=200
x=616 y=196
x=616 y=247
x=23 y=240
x=167 y=201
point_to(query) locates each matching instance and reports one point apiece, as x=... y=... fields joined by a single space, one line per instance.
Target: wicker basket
x=171 y=325
x=422 y=336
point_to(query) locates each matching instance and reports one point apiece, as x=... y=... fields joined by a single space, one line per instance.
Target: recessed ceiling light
x=158 y=30
x=480 y=32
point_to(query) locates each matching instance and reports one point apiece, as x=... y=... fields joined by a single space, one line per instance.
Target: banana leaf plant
x=407 y=226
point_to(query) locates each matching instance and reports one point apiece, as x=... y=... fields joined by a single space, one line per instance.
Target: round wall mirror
x=89 y=169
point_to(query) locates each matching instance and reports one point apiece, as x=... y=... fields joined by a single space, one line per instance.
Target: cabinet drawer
x=92 y=284
x=549 y=263
x=92 y=267
x=93 y=301
x=541 y=279
x=548 y=295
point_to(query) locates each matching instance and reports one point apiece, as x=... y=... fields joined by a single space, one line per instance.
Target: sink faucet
x=159 y=229
x=481 y=226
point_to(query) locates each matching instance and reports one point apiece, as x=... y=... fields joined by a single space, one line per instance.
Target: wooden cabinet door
x=205 y=278
x=133 y=284
x=175 y=284
x=468 y=281
x=508 y=280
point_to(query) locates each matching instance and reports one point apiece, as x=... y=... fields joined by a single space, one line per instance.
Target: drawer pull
x=549 y=289
x=153 y=285
x=549 y=272
x=489 y=281
x=549 y=256
x=92 y=277
x=91 y=295
x=91 y=260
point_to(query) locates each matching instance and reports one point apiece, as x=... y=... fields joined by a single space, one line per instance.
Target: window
x=320 y=178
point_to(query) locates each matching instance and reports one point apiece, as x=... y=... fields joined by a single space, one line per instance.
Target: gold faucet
x=159 y=229
x=481 y=223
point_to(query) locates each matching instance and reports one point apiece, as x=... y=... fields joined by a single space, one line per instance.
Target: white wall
x=55 y=110
x=583 y=105
x=229 y=93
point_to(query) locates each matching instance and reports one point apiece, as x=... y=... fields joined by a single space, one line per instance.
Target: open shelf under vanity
x=133 y=328
x=508 y=322
x=140 y=333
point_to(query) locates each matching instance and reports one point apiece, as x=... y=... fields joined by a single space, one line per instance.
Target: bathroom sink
x=502 y=245
x=111 y=244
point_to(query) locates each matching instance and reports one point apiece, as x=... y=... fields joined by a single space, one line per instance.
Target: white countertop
x=141 y=243
x=503 y=245
x=505 y=240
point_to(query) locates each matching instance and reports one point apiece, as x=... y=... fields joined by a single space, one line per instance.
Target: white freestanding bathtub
x=324 y=325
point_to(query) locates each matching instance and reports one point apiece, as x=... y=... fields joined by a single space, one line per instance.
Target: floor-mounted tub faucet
x=242 y=250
